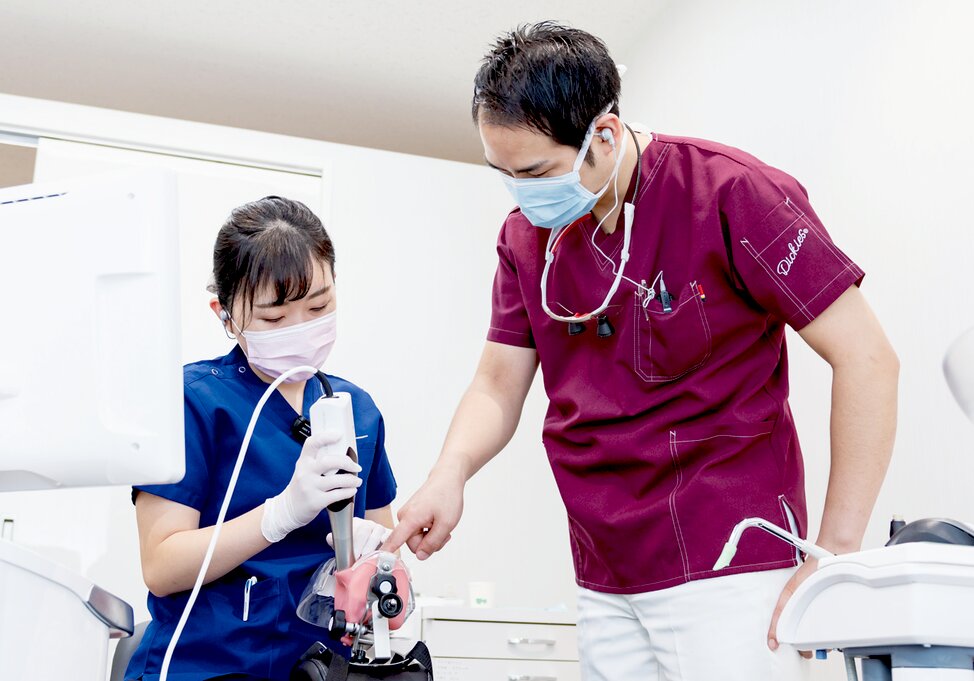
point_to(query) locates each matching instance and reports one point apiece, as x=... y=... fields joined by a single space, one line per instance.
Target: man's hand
x=808 y=567
x=428 y=518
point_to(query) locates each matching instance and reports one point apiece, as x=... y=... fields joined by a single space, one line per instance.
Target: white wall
x=869 y=104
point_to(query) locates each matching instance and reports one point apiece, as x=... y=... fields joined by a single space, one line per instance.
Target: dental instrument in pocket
x=803 y=545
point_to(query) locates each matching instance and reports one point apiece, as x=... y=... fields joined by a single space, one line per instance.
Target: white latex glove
x=367 y=536
x=319 y=480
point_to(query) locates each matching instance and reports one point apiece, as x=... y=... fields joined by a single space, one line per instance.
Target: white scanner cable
x=164 y=672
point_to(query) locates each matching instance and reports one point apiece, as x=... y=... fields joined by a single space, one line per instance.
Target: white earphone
x=225 y=317
x=607 y=135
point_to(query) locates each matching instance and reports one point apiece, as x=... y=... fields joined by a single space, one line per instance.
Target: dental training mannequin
x=275 y=295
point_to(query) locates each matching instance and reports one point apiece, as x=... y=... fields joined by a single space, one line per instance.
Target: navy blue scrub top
x=220 y=396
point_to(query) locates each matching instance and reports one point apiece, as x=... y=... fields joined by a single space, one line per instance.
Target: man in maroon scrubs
x=660 y=332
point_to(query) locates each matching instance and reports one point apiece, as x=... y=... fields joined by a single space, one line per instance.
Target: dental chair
x=123 y=652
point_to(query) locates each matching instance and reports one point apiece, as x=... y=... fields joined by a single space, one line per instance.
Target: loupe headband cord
x=635 y=195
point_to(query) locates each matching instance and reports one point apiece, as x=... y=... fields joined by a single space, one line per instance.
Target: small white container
x=482 y=595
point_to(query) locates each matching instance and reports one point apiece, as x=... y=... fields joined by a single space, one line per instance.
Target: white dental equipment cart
x=906 y=611
x=54 y=624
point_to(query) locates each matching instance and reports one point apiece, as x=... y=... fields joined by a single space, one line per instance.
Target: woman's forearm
x=173 y=564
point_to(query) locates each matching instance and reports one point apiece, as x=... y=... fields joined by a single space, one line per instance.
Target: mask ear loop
x=628 y=211
x=586 y=145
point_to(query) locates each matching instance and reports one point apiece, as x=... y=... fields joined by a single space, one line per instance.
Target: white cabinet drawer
x=503 y=640
x=456 y=669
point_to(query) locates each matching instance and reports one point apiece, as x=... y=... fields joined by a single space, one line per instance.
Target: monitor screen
x=91 y=389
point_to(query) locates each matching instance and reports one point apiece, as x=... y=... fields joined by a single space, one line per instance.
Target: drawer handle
x=531 y=642
x=514 y=677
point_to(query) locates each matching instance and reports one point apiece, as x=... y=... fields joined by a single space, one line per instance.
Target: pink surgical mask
x=309 y=343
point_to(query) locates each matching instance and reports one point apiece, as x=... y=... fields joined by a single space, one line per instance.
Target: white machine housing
x=91 y=389
x=54 y=623
x=89 y=270
x=909 y=594
x=959 y=371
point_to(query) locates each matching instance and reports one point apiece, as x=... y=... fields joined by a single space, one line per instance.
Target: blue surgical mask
x=552 y=202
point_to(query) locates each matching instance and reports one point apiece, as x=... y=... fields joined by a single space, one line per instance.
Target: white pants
x=709 y=630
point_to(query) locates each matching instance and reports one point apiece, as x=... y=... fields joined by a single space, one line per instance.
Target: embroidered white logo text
x=784 y=267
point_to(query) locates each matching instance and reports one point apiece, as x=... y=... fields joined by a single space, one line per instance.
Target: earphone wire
x=628 y=212
x=615 y=204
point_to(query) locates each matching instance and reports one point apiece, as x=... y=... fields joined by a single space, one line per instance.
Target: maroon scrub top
x=665 y=435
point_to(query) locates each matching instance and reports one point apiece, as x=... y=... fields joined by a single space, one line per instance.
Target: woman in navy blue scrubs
x=275 y=293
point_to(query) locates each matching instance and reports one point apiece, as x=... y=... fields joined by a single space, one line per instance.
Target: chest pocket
x=669 y=345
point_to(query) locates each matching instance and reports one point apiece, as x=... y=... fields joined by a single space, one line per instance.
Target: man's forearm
x=863 y=429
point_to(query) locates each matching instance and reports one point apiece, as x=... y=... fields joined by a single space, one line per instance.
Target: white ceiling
x=387 y=74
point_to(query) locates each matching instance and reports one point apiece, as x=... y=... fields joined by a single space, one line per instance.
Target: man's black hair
x=549 y=78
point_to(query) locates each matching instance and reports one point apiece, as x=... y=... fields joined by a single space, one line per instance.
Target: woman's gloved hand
x=367 y=536
x=319 y=480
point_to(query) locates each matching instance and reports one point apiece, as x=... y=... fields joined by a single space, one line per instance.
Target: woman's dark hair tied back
x=273 y=243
